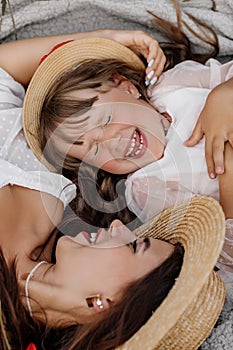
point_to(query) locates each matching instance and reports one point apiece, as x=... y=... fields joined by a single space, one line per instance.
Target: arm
x=226 y=183
x=21 y=58
x=216 y=122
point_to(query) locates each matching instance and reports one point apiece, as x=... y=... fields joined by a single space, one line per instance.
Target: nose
x=118 y=229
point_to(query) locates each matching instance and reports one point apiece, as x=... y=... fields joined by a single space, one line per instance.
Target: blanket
x=38 y=18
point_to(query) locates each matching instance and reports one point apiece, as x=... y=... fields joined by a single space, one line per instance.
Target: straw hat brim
x=189 y=312
x=54 y=66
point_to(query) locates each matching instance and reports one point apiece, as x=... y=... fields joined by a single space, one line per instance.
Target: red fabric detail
x=53 y=49
x=31 y=346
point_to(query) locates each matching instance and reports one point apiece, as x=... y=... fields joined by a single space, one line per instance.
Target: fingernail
x=150 y=64
x=212 y=175
x=153 y=81
x=147 y=82
x=150 y=75
x=219 y=170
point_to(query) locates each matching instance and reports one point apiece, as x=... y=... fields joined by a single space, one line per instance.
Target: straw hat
x=56 y=64
x=189 y=312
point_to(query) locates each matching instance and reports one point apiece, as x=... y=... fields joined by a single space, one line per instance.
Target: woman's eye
x=134 y=245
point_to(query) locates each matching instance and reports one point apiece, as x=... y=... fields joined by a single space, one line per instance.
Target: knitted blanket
x=38 y=18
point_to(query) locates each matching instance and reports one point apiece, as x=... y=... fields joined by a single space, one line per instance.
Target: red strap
x=53 y=49
x=31 y=346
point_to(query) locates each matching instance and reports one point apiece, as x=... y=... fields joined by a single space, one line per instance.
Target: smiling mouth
x=92 y=237
x=137 y=145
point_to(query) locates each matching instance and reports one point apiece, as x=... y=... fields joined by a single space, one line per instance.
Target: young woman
x=56 y=289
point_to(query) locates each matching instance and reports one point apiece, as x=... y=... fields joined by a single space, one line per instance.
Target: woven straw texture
x=193 y=305
x=57 y=63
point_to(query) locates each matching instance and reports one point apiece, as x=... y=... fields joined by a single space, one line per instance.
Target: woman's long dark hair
x=138 y=301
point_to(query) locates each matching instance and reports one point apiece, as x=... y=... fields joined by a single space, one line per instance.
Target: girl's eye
x=96 y=149
x=108 y=120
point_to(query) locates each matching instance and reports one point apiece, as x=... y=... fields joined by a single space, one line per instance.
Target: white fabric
x=18 y=165
x=225 y=261
x=43 y=181
x=13 y=146
x=181 y=173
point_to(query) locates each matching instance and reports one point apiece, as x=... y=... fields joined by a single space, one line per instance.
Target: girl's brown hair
x=100 y=195
x=139 y=300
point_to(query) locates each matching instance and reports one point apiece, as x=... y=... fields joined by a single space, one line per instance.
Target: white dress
x=18 y=165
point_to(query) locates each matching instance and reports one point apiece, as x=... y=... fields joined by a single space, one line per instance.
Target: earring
x=97 y=297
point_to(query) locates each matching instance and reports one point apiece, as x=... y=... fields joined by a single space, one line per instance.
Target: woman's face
x=120 y=134
x=102 y=267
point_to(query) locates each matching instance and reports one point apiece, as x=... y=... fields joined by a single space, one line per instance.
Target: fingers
x=156 y=61
x=196 y=136
x=155 y=67
x=143 y=44
x=230 y=138
x=147 y=46
x=218 y=148
x=214 y=153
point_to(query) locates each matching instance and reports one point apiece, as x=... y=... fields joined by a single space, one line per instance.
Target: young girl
x=13 y=146
x=122 y=130
x=22 y=66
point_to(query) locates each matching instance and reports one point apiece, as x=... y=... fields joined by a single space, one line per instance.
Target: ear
x=126 y=85
x=98 y=302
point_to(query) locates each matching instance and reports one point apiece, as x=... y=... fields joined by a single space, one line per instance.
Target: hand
x=144 y=44
x=21 y=58
x=216 y=122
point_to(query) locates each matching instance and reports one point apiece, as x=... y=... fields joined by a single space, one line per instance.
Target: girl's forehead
x=80 y=124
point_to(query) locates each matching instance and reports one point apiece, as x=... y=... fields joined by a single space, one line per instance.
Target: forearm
x=226 y=183
x=21 y=58
x=224 y=90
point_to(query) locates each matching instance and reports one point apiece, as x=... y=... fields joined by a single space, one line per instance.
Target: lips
x=92 y=237
x=137 y=145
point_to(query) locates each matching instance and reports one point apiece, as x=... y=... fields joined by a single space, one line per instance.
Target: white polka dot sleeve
x=54 y=184
x=13 y=146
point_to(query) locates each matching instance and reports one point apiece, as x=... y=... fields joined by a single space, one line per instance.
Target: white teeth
x=93 y=236
x=130 y=152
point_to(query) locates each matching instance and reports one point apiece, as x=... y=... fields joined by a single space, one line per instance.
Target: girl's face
x=120 y=133
x=102 y=267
